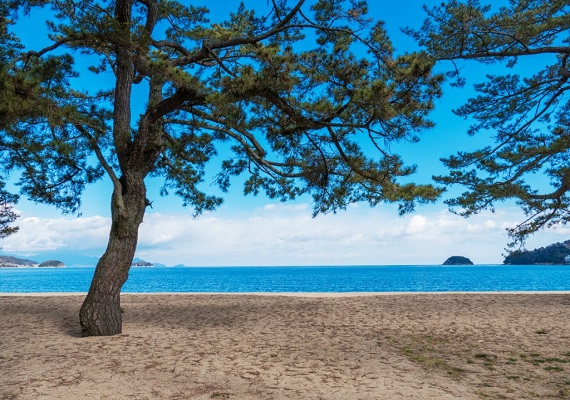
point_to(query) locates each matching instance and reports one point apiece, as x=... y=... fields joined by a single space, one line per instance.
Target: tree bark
x=100 y=314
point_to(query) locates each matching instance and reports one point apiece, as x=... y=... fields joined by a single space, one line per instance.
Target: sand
x=399 y=346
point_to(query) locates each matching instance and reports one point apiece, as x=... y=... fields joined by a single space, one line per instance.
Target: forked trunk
x=100 y=314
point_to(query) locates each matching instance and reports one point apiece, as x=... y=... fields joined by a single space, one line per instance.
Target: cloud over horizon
x=286 y=234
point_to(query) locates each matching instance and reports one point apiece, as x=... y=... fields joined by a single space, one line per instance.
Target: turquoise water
x=412 y=278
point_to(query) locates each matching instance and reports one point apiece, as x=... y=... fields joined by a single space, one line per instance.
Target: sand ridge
x=398 y=346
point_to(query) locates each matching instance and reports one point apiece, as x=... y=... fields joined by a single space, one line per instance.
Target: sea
x=298 y=279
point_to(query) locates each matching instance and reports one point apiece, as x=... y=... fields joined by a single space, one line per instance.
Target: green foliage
x=7 y=214
x=553 y=254
x=458 y=260
x=39 y=138
x=308 y=97
x=526 y=112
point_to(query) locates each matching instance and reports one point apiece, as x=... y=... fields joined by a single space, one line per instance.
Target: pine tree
x=527 y=112
x=308 y=95
x=7 y=213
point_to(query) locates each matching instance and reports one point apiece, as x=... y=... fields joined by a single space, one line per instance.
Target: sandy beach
x=398 y=346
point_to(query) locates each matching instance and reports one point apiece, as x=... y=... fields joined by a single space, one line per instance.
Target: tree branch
x=40 y=53
x=98 y=153
x=511 y=53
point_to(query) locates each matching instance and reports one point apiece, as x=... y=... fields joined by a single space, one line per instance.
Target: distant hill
x=159 y=265
x=15 y=262
x=553 y=254
x=458 y=260
x=71 y=259
x=52 y=264
x=57 y=260
x=137 y=262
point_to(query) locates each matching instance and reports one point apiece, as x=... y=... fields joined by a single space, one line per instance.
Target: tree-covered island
x=557 y=253
x=457 y=260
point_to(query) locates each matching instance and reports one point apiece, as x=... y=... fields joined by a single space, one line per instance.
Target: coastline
x=286 y=294
x=291 y=346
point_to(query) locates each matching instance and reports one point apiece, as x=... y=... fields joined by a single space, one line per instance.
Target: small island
x=458 y=260
x=52 y=264
x=141 y=263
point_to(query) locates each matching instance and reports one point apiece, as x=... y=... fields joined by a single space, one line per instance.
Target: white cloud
x=417 y=225
x=279 y=234
x=46 y=234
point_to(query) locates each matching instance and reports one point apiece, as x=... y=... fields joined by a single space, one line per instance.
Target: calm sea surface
x=411 y=278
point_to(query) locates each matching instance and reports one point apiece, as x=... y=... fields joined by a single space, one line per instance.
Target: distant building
x=567 y=259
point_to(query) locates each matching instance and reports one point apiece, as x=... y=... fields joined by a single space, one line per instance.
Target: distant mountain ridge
x=16 y=262
x=556 y=253
x=72 y=260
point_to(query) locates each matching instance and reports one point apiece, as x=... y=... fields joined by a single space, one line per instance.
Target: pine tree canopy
x=308 y=95
x=7 y=213
x=526 y=111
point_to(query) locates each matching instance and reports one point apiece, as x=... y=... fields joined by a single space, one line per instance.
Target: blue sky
x=257 y=231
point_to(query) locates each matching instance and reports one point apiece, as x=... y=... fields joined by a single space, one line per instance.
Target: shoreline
x=287 y=294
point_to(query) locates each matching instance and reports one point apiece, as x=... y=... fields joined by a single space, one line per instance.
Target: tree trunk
x=100 y=314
